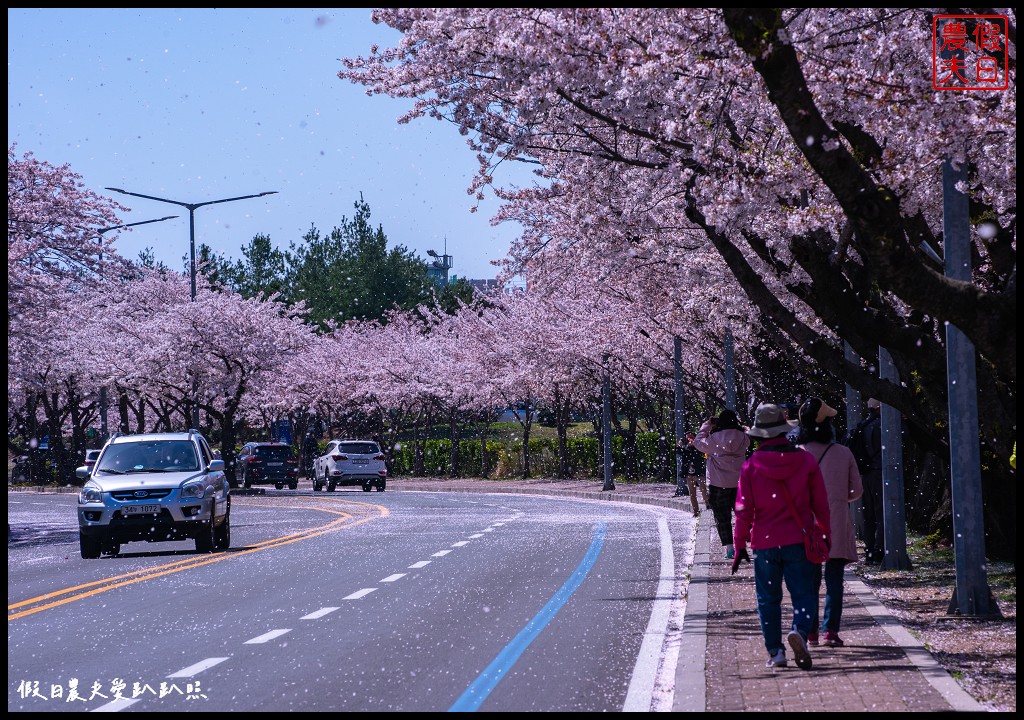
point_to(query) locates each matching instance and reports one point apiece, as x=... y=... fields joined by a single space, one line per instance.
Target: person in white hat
x=778 y=480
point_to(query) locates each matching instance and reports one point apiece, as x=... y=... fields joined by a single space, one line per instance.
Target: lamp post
x=103 y=388
x=192 y=207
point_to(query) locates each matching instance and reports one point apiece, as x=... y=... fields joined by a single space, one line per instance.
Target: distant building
x=437 y=269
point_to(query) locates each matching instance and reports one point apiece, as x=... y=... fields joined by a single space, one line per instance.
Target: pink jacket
x=843 y=485
x=763 y=517
x=726 y=451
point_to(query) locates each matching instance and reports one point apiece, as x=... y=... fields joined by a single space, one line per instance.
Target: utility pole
x=894 y=509
x=606 y=427
x=972 y=596
x=677 y=363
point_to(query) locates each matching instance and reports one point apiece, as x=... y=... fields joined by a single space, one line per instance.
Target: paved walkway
x=882 y=667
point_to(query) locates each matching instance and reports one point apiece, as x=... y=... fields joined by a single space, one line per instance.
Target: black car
x=268 y=462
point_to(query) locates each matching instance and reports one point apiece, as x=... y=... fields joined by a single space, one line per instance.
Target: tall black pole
x=853 y=416
x=893 y=507
x=972 y=595
x=677 y=364
x=606 y=427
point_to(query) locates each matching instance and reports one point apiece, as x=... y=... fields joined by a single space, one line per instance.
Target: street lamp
x=192 y=248
x=192 y=219
x=103 y=388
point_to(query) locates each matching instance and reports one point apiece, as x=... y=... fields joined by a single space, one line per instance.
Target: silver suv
x=154 y=487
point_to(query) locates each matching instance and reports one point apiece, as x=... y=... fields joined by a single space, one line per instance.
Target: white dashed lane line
x=474 y=537
x=319 y=613
x=460 y=543
x=418 y=565
x=392 y=578
x=198 y=667
x=442 y=553
x=359 y=593
x=267 y=637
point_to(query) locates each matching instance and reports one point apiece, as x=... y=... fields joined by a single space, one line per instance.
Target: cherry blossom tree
x=812 y=171
x=152 y=338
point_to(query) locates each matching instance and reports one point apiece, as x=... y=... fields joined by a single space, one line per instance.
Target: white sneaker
x=778 y=659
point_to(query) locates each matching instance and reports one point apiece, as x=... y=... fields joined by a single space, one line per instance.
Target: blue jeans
x=772 y=566
x=834 y=570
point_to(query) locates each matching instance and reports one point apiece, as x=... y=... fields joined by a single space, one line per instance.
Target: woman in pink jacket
x=843 y=485
x=725 y=443
x=778 y=478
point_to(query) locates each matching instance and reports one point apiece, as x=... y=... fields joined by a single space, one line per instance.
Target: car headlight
x=91 y=493
x=194 y=490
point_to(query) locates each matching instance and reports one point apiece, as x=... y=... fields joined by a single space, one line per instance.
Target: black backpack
x=857 y=441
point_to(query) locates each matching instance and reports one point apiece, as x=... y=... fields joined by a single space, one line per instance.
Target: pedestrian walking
x=843 y=486
x=865 y=441
x=310 y=448
x=692 y=468
x=723 y=441
x=778 y=482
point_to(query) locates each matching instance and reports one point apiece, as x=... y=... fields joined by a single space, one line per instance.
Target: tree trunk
x=562 y=417
x=455 y=430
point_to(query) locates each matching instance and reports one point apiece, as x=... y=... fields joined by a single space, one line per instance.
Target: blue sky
x=203 y=104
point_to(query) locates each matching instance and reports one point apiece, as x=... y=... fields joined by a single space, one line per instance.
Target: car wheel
x=293 y=485
x=206 y=540
x=279 y=486
x=222 y=535
x=110 y=547
x=381 y=485
x=90 y=545
x=331 y=485
x=367 y=487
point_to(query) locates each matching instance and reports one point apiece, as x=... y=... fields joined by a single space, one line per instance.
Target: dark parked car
x=268 y=462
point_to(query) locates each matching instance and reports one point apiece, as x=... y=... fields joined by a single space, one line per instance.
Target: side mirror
x=216 y=466
x=82 y=472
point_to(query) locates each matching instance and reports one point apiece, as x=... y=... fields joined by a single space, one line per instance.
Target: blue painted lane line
x=486 y=681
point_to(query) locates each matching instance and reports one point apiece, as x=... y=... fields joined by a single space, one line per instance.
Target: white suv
x=350 y=462
x=154 y=487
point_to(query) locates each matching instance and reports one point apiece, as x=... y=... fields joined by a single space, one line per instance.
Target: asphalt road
x=352 y=601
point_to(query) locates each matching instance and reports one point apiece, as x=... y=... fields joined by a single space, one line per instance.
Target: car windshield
x=274 y=452
x=358 y=448
x=150 y=456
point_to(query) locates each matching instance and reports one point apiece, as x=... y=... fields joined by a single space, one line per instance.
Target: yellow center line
x=180 y=565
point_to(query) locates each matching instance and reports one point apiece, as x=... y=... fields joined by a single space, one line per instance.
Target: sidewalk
x=882 y=667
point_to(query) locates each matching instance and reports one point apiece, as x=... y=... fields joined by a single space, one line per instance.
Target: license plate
x=140 y=509
x=274 y=464
x=361 y=461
